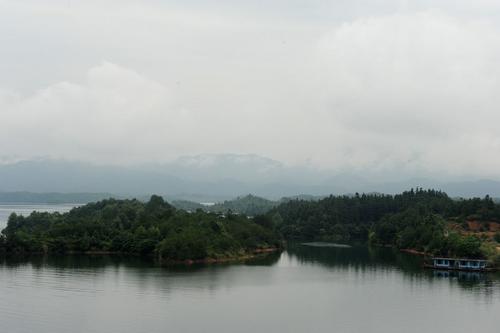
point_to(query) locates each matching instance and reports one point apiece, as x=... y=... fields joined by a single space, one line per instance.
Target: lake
x=304 y=289
x=25 y=209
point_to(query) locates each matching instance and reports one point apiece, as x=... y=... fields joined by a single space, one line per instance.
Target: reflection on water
x=357 y=257
x=364 y=259
x=354 y=259
x=305 y=288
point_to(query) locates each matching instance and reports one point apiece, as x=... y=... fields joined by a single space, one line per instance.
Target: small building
x=459 y=264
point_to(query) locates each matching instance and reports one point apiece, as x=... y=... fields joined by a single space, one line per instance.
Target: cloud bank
x=406 y=90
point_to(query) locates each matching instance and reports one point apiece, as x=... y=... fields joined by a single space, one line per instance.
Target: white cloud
x=107 y=118
x=396 y=88
x=421 y=85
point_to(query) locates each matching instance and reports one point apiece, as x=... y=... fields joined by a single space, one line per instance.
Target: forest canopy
x=423 y=220
x=134 y=227
x=416 y=219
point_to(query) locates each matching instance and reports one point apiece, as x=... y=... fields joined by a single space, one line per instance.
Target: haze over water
x=26 y=209
x=305 y=289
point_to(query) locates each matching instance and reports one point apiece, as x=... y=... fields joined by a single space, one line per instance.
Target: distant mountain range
x=211 y=178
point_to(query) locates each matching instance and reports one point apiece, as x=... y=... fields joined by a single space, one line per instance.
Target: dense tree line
x=414 y=219
x=131 y=226
x=346 y=218
x=418 y=229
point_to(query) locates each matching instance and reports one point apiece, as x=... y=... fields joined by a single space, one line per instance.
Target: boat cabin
x=462 y=264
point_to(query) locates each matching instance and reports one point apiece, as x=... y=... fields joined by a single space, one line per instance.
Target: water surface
x=305 y=289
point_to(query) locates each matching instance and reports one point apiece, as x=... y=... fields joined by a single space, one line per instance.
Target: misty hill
x=214 y=178
x=189 y=206
x=249 y=205
x=303 y=197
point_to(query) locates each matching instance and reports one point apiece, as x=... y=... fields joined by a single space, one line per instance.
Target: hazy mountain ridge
x=212 y=178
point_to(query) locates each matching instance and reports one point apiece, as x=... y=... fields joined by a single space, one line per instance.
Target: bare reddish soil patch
x=477 y=226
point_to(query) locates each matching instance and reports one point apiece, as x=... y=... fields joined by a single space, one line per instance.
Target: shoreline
x=246 y=256
x=414 y=252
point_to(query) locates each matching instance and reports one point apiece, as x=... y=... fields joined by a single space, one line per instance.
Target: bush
x=497 y=237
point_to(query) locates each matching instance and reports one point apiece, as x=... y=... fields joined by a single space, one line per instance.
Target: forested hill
x=426 y=220
x=249 y=205
x=133 y=227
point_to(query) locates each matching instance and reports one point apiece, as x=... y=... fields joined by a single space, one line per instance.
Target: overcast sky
x=340 y=85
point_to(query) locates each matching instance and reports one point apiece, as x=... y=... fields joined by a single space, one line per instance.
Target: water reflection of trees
x=105 y=261
x=358 y=257
x=378 y=259
x=146 y=274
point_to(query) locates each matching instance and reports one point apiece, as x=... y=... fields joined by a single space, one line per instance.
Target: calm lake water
x=26 y=209
x=305 y=289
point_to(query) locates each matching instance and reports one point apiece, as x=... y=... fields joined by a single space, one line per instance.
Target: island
x=418 y=221
x=154 y=228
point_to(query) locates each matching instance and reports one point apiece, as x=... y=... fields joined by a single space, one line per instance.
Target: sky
x=340 y=85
